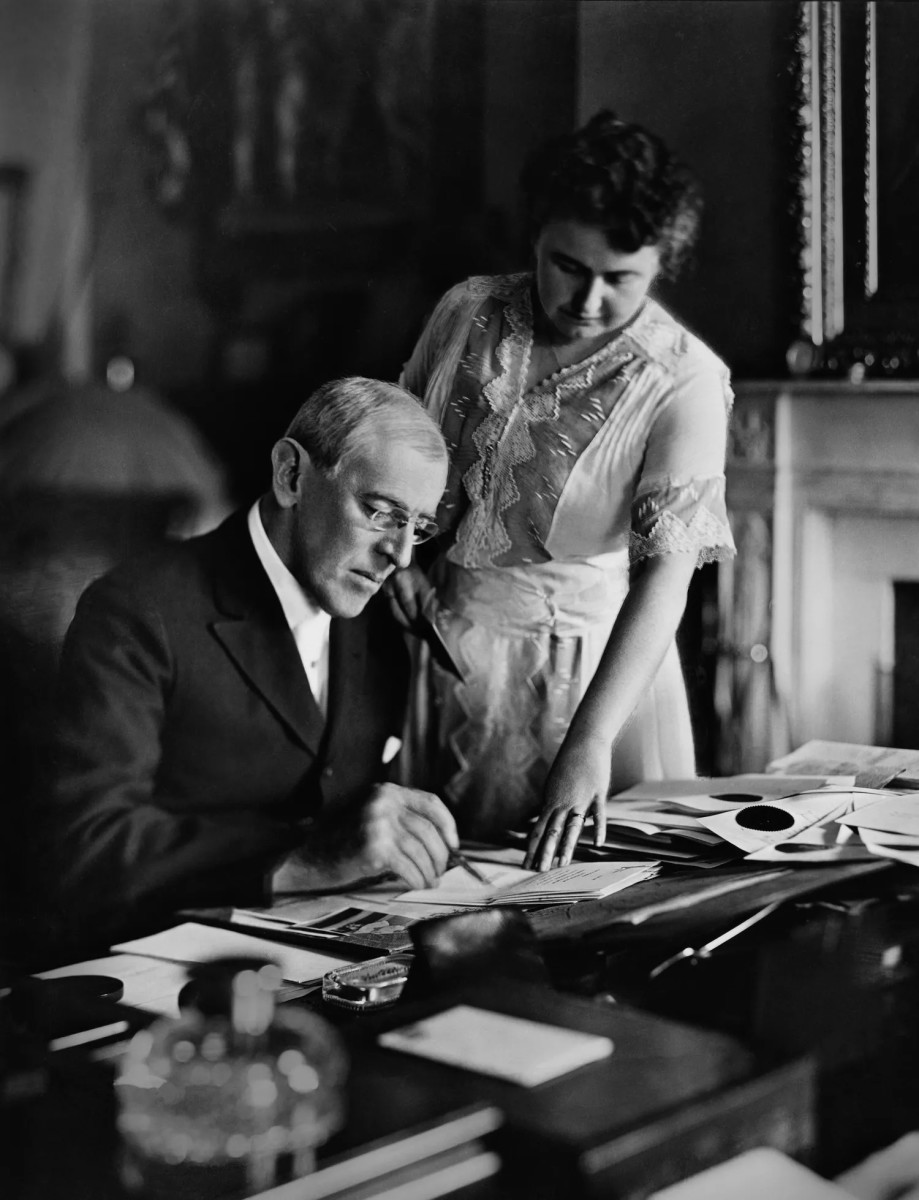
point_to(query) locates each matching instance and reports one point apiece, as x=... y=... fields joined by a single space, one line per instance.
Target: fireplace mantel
x=823 y=489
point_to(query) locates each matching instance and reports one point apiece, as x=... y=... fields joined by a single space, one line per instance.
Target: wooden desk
x=690 y=898
x=669 y=1100
x=834 y=972
x=832 y=976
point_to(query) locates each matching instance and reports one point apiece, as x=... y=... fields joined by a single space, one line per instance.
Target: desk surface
x=833 y=974
x=688 y=898
x=577 y=1131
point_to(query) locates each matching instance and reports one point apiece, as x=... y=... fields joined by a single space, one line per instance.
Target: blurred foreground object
x=233 y=1097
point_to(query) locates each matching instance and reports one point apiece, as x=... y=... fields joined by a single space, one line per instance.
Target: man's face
x=333 y=550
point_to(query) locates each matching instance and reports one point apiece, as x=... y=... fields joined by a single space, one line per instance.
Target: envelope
x=790 y=817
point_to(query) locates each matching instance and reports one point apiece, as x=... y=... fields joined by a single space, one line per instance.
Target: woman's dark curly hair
x=621 y=178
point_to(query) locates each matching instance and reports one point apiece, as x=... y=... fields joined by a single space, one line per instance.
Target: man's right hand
x=401 y=832
x=407 y=833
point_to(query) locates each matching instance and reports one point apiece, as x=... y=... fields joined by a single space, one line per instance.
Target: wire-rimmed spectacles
x=388 y=519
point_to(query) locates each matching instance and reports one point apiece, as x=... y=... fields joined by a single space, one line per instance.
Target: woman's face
x=586 y=288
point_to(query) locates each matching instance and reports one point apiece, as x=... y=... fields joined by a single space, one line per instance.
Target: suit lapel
x=347 y=667
x=254 y=633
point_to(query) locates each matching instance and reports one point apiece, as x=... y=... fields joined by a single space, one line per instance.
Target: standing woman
x=587 y=433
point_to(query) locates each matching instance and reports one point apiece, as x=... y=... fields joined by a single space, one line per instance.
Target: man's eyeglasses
x=389 y=520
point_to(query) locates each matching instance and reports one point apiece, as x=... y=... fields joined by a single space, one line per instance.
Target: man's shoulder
x=176 y=571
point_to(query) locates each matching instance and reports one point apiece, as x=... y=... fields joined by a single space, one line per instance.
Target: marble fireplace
x=823 y=488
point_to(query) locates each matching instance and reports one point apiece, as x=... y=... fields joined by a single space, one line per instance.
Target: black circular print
x=765 y=817
x=736 y=796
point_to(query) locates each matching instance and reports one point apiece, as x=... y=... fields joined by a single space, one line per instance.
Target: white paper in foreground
x=761 y=1174
x=476 y=1039
x=149 y=983
x=194 y=943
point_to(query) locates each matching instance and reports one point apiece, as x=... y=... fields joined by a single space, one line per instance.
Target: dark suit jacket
x=189 y=753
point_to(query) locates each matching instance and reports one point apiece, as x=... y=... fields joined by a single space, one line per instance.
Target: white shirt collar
x=298 y=608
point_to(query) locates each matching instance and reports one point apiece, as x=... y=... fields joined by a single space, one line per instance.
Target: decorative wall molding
x=840 y=486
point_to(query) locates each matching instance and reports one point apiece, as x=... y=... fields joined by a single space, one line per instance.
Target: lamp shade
x=86 y=440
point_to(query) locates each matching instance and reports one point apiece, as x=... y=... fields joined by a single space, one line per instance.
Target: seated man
x=225 y=703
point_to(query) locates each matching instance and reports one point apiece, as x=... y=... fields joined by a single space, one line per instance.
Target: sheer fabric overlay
x=552 y=493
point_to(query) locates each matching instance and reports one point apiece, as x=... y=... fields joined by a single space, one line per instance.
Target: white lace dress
x=552 y=492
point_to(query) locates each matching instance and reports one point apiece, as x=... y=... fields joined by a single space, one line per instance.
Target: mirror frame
x=850 y=322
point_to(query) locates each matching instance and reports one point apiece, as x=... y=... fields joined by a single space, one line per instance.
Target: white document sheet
x=194 y=943
x=827 y=843
x=457 y=886
x=803 y=812
x=457 y=891
x=577 y=881
x=149 y=983
x=896 y=813
x=477 y=1039
x=647 y=816
x=723 y=794
x=761 y=1174
x=873 y=766
x=880 y=846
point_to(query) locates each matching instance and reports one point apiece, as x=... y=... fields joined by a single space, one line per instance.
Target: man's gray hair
x=345 y=415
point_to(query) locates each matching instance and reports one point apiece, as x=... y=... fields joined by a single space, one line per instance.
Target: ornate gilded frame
x=856 y=316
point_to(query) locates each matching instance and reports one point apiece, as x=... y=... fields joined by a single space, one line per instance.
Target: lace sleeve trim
x=705 y=536
x=686 y=518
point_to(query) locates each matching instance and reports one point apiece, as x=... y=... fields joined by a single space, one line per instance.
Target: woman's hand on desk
x=575 y=791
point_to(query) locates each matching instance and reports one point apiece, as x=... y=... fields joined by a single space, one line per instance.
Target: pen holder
x=233 y=1097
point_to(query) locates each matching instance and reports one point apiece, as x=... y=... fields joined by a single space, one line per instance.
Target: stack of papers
x=669 y=818
x=787 y=819
x=872 y=766
x=649 y=828
x=889 y=827
x=802 y=826
x=457 y=891
x=326 y=917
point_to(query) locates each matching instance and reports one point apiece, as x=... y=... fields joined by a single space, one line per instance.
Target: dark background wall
x=232 y=313
x=711 y=76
